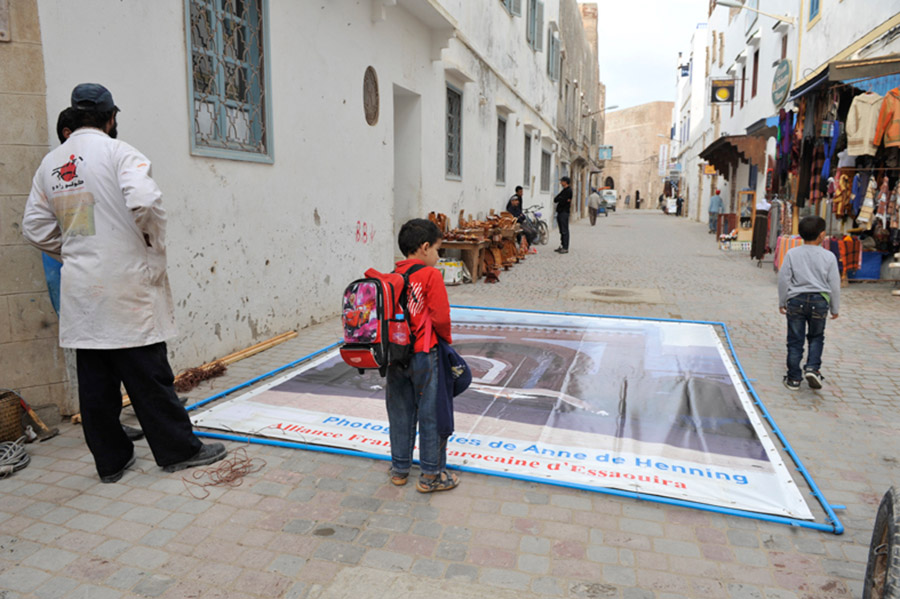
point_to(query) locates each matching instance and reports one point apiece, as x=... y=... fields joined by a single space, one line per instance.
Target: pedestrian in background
x=809 y=285
x=593 y=205
x=563 y=202
x=679 y=205
x=716 y=207
x=93 y=202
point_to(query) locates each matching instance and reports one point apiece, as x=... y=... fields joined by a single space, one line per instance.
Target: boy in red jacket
x=412 y=390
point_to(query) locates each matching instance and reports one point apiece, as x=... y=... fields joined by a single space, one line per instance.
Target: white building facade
x=747 y=48
x=292 y=139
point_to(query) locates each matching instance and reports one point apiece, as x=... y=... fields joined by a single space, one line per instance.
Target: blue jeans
x=713 y=217
x=411 y=399
x=807 y=314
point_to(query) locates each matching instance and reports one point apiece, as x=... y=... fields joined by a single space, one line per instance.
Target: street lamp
x=584 y=116
x=736 y=4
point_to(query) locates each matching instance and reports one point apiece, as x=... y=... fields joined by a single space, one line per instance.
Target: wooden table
x=472 y=254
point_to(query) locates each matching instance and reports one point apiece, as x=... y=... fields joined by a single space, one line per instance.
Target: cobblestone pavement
x=312 y=524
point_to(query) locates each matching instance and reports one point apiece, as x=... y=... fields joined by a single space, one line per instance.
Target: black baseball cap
x=93 y=97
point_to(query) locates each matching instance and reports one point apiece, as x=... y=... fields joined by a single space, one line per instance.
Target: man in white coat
x=94 y=203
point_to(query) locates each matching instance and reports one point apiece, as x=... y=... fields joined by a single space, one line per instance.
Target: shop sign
x=781 y=83
x=663 y=159
x=709 y=169
x=721 y=91
x=604 y=152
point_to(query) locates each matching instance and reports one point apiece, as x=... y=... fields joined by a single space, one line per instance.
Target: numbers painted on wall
x=365 y=232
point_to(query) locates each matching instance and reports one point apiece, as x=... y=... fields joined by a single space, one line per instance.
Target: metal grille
x=545 y=171
x=454 y=132
x=527 y=172
x=228 y=75
x=501 y=150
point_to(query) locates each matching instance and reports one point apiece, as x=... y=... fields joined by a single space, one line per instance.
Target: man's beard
x=114 y=132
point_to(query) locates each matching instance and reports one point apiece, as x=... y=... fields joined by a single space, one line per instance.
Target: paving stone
x=286 y=565
x=373 y=538
x=144 y=557
x=56 y=587
x=50 y=559
x=547 y=587
x=455 y=552
x=457 y=534
x=534 y=564
x=461 y=572
x=153 y=586
x=590 y=590
x=387 y=560
x=22 y=579
x=507 y=579
x=299 y=526
x=369 y=504
x=339 y=552
x=429 y=568
x=125 y=578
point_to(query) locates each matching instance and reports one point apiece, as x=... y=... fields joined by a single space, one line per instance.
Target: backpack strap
x=404 y=297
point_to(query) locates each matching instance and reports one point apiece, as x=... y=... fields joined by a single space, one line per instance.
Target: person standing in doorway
x=593 y=205
x=627 y=200
x=716 y=207
x=94 y=203
x=637 y=200
x=563 y=202
x=679 y=205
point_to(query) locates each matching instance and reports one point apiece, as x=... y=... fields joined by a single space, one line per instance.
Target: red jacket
x=427 y=294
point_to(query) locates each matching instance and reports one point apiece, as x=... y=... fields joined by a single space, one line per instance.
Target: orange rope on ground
x=229 y=472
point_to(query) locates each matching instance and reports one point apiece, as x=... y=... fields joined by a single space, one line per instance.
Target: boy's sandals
x=442 y=482
x=399 y=478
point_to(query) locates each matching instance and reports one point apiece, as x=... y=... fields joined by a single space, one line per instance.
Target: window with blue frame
x=813 y=9
x=230 y=114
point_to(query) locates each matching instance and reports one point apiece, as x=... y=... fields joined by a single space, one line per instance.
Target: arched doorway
x=609 y=183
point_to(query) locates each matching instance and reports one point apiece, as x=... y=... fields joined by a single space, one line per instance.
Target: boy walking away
x=412 y=390
x=808 y=286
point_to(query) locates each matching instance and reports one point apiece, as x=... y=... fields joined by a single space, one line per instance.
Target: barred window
x=230 y=114
x=501 y=150
x=527 y=174
x=454 y=132
x=545 y=170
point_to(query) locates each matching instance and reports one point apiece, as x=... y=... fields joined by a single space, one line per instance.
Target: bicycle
x=534 y=220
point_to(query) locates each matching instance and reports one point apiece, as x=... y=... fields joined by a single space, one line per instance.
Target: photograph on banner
x=647 y=406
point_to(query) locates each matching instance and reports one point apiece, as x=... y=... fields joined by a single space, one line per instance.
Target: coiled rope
x=13 y=456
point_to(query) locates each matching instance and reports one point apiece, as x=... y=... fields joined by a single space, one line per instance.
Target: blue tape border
x=834 y=524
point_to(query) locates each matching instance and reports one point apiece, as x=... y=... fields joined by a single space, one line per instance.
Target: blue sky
x=639 y=45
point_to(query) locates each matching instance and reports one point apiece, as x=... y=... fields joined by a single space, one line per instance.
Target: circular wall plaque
x=370 y=96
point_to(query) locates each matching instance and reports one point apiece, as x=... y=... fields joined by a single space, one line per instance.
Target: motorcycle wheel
x=543 y=233
x=883 y=570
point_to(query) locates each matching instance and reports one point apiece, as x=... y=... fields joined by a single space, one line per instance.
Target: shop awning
x=879 y=75
x=767 y=127
x=725 y=152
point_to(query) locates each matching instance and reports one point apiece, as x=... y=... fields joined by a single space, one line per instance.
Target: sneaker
x=132 y=433
x=792 y=385
x=208 y=454
x=814 y=379
x=115 y=477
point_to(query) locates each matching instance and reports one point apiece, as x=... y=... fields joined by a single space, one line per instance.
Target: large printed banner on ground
x=644 y=406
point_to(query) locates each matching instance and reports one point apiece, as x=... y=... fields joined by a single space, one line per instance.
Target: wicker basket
x=10 y=417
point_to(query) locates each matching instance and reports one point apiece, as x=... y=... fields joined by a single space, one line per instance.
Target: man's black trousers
x=562 y=219
x=148 y=379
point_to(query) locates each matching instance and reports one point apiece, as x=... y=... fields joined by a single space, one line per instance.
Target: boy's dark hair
x=566 y=180
x=66 y=120
x=811 y=227
x=518 y=187
x=415 y=233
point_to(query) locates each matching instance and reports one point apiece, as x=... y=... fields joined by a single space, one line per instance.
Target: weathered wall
x=635 y=135
x=256 y=249
x=30 y=359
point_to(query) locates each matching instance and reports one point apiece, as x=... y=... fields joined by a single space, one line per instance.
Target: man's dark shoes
x=116 y=476
x=792 y=385
x=208 y=454
x=814 y=379
x=563 y=251
x=132 y=433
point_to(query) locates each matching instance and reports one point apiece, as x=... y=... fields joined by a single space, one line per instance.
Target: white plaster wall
x=839 y=26
x=256 y=249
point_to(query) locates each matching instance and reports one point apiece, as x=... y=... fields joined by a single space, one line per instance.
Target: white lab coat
x=93 y=201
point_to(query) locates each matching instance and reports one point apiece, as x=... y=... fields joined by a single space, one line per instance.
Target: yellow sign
x=709 y=169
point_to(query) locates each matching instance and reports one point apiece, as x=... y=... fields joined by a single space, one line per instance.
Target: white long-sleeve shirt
x=93 y=201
